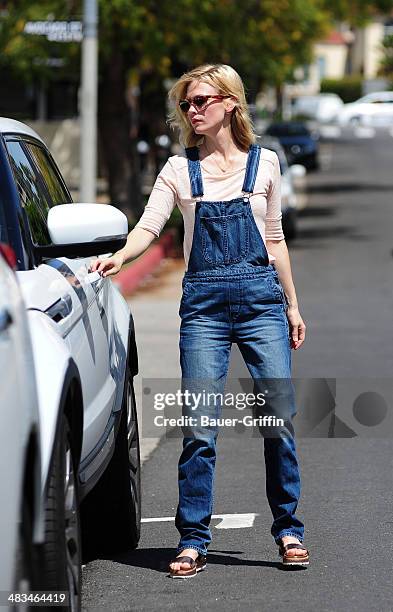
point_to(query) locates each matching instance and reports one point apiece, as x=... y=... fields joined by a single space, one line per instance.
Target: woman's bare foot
x=292 y=551
x=190 y=552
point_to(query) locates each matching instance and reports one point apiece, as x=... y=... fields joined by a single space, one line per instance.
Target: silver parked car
x=85 y=358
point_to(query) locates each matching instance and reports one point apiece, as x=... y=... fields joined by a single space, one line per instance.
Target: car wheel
x=61 y=553
x=111 y=512
x=355 y=121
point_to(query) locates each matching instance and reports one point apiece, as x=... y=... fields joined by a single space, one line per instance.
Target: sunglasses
x=198 y=101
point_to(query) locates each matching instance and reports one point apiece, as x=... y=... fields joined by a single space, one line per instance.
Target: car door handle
x=5 y=319
x=60 y=309
x=95 y=279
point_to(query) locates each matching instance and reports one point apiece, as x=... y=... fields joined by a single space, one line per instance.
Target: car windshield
x=373 y=98
x=287 y=129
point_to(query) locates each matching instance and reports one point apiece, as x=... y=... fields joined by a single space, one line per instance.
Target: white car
x=20 y=454
x=373 y=109
x=85 y=359
x=323 y=108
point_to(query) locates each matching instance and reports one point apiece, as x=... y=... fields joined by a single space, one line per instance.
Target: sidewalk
x=155 y=306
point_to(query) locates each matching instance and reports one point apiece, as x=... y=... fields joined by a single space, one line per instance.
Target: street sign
x=57 y=31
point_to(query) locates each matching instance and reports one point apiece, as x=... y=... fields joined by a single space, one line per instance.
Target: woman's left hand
x=297 y=327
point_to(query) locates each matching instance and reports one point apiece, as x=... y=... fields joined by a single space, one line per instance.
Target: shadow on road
x=318 y=211
x=157 y=559
x=323 y=233
x=347 y=187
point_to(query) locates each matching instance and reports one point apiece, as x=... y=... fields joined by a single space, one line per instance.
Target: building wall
x=329 y=62
x=374 y=34
x=366 y=53
x=334 y=58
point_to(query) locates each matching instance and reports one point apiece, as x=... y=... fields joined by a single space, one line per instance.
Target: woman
x=228 y=190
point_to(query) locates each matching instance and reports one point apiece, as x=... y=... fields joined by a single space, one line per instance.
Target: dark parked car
x=300 y=144
x=289 y=200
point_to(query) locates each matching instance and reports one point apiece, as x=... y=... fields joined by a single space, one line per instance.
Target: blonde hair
x=227 y=82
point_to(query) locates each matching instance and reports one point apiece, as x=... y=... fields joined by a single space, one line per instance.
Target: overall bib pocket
x=225 y=239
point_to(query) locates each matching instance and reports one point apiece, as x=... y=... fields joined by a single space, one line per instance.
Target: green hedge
x=349 y=88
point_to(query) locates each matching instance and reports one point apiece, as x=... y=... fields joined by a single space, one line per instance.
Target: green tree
x=144 y=42
x=26 y=56
x=150 y=41
x=386 y=68
x=357 y=12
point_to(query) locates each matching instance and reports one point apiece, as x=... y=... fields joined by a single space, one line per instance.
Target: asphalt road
x=343 y=270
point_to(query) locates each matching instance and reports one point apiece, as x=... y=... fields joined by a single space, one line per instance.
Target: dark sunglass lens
x=184 y=106
x=200 y=101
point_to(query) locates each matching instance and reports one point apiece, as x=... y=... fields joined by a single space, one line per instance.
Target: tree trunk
x=118 y=144
x=152 y=115
x=279 y=100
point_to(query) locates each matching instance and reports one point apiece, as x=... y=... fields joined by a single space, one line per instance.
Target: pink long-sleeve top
x=172 y=187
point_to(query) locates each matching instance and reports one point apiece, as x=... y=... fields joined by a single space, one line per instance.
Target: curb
x=128 y=279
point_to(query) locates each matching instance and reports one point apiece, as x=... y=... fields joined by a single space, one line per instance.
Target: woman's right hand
x=110 y=265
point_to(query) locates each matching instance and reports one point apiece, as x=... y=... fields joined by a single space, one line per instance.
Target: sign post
x=88 y=103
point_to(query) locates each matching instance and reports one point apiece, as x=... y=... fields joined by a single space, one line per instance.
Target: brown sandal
x=196 y=565
x=300 y=560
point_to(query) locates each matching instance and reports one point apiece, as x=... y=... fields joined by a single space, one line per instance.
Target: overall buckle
x=246 y=196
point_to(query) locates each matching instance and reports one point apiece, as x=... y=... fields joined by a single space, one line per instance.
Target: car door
x=75 y=302
x=18 y=414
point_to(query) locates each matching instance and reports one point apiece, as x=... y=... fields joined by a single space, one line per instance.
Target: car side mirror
x=83 y=230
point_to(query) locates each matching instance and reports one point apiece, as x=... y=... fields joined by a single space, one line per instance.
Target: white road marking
x=235 y=521
x=229 y=521
x=158 y=520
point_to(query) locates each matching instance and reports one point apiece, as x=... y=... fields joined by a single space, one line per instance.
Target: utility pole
x=88 y=103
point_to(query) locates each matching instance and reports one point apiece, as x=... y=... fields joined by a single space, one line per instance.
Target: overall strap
x=254 y=154
x=194 y=171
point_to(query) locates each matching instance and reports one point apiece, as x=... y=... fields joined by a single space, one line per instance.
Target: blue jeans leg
x=264 y=344
x=204 y=358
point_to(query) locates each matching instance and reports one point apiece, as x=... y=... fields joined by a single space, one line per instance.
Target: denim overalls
x=232 y=294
